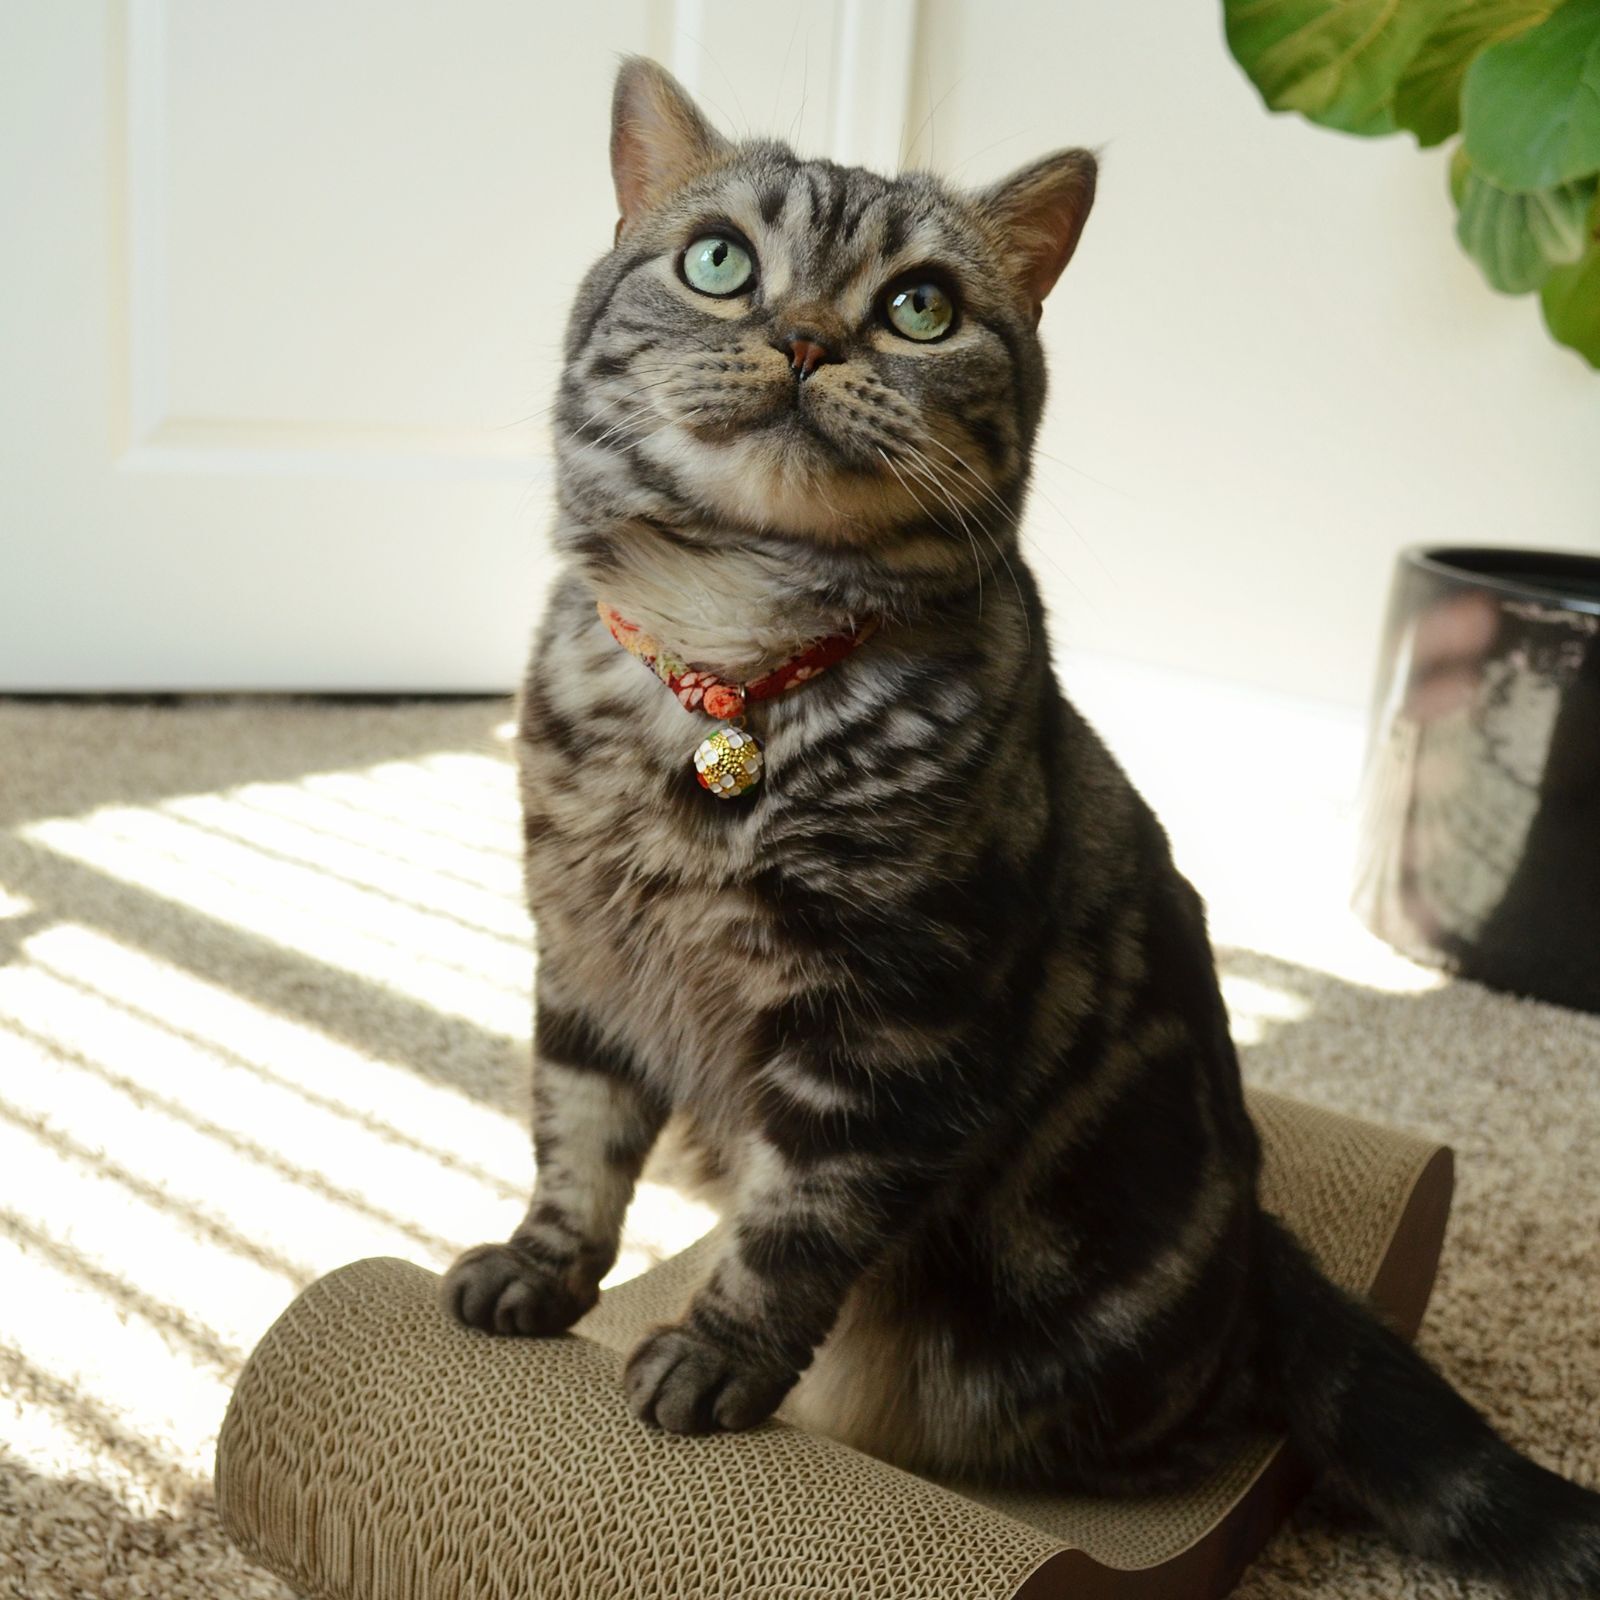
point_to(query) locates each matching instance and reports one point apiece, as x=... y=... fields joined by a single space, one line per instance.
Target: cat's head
x=802 y=349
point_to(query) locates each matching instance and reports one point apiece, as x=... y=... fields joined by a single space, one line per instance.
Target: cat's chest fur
x=644 y=888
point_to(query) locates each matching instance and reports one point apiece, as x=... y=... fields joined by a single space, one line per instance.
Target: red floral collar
x=728 y=762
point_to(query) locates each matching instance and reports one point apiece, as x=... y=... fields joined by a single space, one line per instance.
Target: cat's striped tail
x=1370 y=1415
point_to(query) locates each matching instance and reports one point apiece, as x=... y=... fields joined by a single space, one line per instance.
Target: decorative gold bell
x=728 y=762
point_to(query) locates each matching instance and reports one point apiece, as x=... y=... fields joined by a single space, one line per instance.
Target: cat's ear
x=659 y=139
x=1039 y=213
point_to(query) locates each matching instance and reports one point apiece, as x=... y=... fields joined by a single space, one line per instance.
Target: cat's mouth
x=799 y=422
x=821 y=457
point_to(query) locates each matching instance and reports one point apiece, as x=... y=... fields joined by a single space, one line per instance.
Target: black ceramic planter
x=1480 y=829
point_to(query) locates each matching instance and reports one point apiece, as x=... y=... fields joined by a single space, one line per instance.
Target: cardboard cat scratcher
x=375 y=1451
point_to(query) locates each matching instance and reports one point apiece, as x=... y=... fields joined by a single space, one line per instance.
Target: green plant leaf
x=1427 y=99
x=1571 y=297
x=1334 y=61
x=1518 y=238
x=1530 y=106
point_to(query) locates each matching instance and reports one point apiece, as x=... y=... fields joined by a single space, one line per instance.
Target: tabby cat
x=932 y=996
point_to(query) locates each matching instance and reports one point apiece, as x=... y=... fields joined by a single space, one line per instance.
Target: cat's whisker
x=783 y=71
x=1077 y=533
x=1045 y=455
x=978 y=482
x=915 y=497
x=636 y=439
x=926 y=469
x=633 y=417
x=977 y=561
x=908 y=145
x=913 y=459
x=920 y=503
x=613 y=403
x=522 y=422
x=1022 y=536
x=560 y=399
x=799 y=119
x=999 y=549
x=622 y=426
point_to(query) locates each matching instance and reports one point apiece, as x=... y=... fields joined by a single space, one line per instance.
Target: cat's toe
x=504 y=1288
x=683 y=1383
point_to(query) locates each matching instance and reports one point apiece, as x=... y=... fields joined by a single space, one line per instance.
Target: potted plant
x=1518 y=80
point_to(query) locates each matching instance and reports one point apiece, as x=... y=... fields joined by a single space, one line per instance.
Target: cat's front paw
x=679 y=1380
x=508 y=1288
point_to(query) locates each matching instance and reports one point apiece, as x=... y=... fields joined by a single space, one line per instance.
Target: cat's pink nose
x=806 y=355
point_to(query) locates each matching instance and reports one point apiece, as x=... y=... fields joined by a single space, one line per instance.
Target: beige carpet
x=263 y=1009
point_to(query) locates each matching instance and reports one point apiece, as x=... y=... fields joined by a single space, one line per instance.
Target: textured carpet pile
x=264 y=983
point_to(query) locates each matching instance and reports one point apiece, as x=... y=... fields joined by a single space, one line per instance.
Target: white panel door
x=281 y=295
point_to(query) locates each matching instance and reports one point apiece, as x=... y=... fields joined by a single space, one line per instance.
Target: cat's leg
x=805 y=1227
x=594 y=1122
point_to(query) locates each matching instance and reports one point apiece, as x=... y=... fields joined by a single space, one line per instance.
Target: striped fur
x=934 y=1000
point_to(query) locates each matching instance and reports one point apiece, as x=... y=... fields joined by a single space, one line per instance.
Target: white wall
x=280 y=311
x=1272 y=364
x=281 y=296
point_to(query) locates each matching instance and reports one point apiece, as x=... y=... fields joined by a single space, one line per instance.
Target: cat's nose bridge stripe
x=816 y=321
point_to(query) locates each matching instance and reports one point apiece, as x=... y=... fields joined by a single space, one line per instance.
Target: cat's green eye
x=717 y=265
x=921 y=311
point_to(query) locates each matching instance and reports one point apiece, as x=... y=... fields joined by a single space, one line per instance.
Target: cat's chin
x=788 y=478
